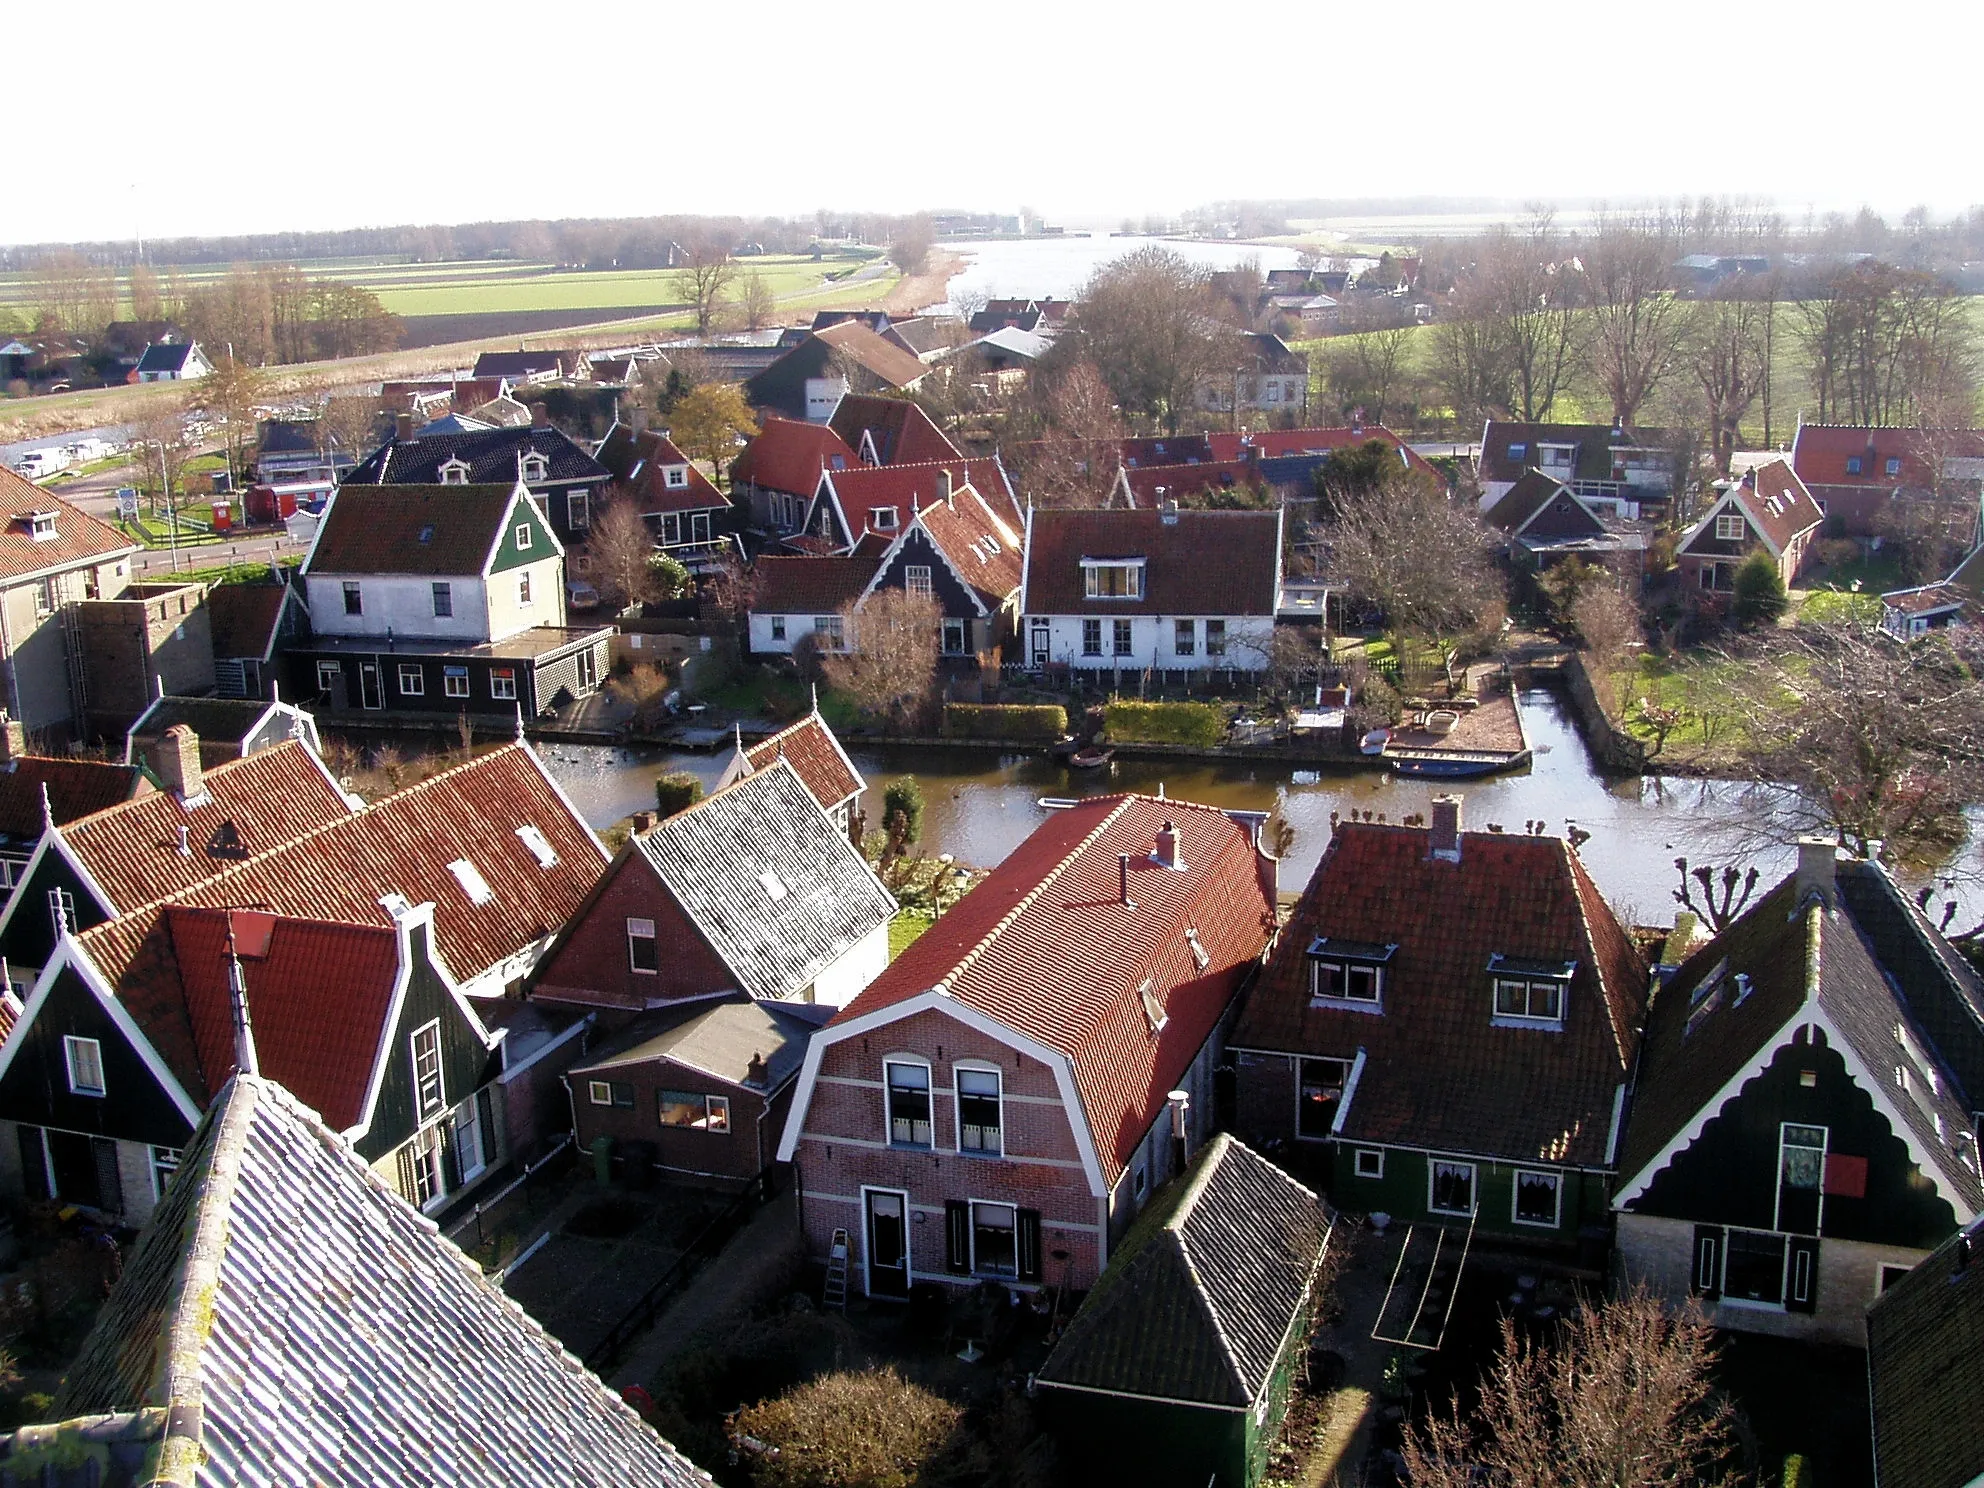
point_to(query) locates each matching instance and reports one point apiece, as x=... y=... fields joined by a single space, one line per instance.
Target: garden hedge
x=1032 y=723
x=1200 y=725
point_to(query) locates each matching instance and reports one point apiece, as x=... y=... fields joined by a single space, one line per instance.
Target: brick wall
x=731 y=1154
x=592 y=966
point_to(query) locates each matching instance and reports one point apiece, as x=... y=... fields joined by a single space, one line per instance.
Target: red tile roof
x=1151 y=484
x=319 y=993
x=1438 y=1073
x=903 y=489
x=787 y=455
x=251 y=805
x=988 y=552
x=79 y=538
x=1819 y=453
x=1045 y=946
x=1204 y=563
x=816 y=757
x=1275 y=444
x=244 y=618
x=1773 y=499
x=900 y=430
x=808 y=586
x=75 y=788
x=640 y=462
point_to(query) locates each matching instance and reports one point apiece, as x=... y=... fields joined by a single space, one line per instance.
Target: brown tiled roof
x=887 y=361
x=75 y=788
x=1778 y=503
x=985 y=550
x=1046 y=946
x=787 y=455
x=340 y=871
x=379 y=529
x=244 y=617
x=903 y=489
x=1523 y=500
x=1819 y=453
x=816 y=757
x=1150 y=484
x=809 y=586
x=251 y=805
x=1437 y=1072
x=1925 y=1369
x=79 y=537
x=1204 y=563
x=639 y=462
x=902 y=432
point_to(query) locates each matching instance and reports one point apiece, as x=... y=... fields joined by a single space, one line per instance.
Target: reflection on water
x=981 y=804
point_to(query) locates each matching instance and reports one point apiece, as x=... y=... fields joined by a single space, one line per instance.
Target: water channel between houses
x=980 y=804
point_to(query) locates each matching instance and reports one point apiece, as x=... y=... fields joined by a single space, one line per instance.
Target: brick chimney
x=756 y=1072
x=540 y=416
x=402 y=426
x=944 y=489
x=13 y=739
x=1166 y=853
x=642 y=823
x=179 y=763
x=1445 y=833
x=1817 y=860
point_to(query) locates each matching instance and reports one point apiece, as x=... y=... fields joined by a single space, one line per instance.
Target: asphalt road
x=97 y=495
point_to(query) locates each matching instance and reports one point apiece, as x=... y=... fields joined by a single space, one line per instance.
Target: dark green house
x=1177 y=1368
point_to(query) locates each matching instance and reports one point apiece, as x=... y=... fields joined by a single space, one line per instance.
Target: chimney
x=1180 y=1102
x=1167 y=512
x=756 y=1072
x=1445 y=832
x=1166 y=854
x=402 y=426
x=643 y=823
x=1123 y=875
x=944 y=489
x=540 y=416
x=13 y=739
x=1816 y=859
x=179 y=764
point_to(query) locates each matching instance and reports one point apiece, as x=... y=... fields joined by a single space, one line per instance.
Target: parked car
x=579 y=595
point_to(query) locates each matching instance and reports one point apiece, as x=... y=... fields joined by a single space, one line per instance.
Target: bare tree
x=1637 y=323
x=232 y=394
x=1422 y=558
x=1726 y=348
x=1472 y=368
x=755 y=301
x=622 y=547
x=705 y=279
x=909 y=249
x=1149 y=323
x=889 y=665
x=1074 y=462
x=1623 y=1399
x=1607 y=622
x=1530 y=295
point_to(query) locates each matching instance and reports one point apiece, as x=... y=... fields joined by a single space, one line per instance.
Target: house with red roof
x=809 y=380
x=816 y=756
x=1908 y=614
x=1768 y=510
x=1447 y=1030
x=691 y=519
x=794 y=597
x=876 y=502
x=775 y=476
x=1855 y=471
x=890 y=431
x=999 y=1104
x=391 y=936
x=1164 y=588
x=1286 y=444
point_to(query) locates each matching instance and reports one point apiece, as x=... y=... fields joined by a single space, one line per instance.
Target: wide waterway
x=981 y=804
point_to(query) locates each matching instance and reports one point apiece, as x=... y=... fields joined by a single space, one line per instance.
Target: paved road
x=97 y=495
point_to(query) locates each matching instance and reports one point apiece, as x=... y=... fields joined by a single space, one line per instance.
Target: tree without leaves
x=1636 y=322
x=1622 y=1400
x=231 y=395
x=621 y=547
x=755 y=301
x=1074 y=461
x=1530 y=298
x=1421 y=557
x=707 y=421
x=890 y=666
x=705 y=279
x=1725 y=347
x=1150 y=324
x=909 y=250
x=1472 y=366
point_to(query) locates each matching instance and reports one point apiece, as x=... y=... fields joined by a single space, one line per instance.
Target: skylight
x=473 y=883
x=1200 y=957
x=1153 y=1007
x=773 y=885
x=539 y=845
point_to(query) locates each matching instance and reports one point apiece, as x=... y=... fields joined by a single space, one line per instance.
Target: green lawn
x=904 y=929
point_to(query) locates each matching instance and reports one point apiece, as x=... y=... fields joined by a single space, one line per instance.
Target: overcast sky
x=219 y=116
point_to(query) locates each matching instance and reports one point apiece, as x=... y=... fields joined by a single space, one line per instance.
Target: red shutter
x=1846 y=1176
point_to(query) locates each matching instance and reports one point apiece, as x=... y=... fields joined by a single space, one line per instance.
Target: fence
x=704 y=1247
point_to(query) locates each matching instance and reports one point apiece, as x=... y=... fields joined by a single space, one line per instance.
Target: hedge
x=1201 y=725
x=1041 y=723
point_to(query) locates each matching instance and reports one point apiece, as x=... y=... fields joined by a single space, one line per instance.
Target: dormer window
x=535 y=468
x=454 y=472
x=675 y=477
x=1348 y=973
x=1529 y=994
x=882 y=518
x=1154 y=1012
x=41 y=525
x=1113 y=578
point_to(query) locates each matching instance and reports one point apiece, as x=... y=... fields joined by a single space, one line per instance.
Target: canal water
x=980 y=804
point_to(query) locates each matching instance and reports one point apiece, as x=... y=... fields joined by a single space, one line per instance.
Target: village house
x=1175 y=590
x=865 y=507
x=1608 y=466
x=1857 y=471
x=753 y=889
x=227 y=728
x=1545 y=522
x=1768 y=510
x=689 y=516
x=998 y=1105
x=1267 y=378
x=392 y=935
x=241 y=1344
x=794 y=597
x=1179 y=1364
x=172 y=361
x=1908 y=614
x=1446 y=1032
x=521 y=368
x=1802 y=1124
x=890 y=431
x=776 y=476
x=1925 y=1371
x=36 y=791
x=297 y=460
x=699 y=1091
x=815 y=755
x=564 y=480
x=52 y=555
x=809 y=381
x=443 y=599
x=248 y=625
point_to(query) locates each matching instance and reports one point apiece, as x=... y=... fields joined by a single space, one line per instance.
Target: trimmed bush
x=1200 y=725
x=869 y=1430
x=676 y=791
x=902 y=801
x=1025 y=722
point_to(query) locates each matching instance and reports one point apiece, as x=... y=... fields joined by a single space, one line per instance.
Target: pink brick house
x=996 y=1104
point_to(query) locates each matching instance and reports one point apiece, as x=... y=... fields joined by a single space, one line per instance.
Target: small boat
x=1057 y=803
x=1441 y=722
x=1090 y=759
x=1376 y=740
x=1064 y=746
x=1435 y=767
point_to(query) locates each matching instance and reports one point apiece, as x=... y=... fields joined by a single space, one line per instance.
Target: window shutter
x=408 y=1184
x=485 y=1113
x=451 y=1157
x=957 y=1237
x=1706 y=1280
x=1029 y=1244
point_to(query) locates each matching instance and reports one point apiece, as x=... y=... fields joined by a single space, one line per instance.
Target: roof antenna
x=237 y=991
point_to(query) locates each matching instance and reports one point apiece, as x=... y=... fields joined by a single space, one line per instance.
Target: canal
x=980 y=804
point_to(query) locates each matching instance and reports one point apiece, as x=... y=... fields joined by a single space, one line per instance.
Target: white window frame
x=327 y=673
x=72 y=1046
x=410 y=672
x=633 y=935
x=1184 y=638
x=474 y=886
x=909 y=1061
x=883 y=519
x=454 y=682
x=523 y=537
x=1729 y=527
x=538 y=845
x=977 y=1067
x=675 y=477
x=716 y=1112
x=535 y=467
x=830 y=630
x=425 y=1110
x=523 y=587
x=465 y=1134
x=599 y=1092
x=354 y=597
x=1530 y=985
x=1824 y=1149
x=578 y=510
x=1357 y=1162
x=1123 y=638
x=164 y=1164
x=503 y=689
x=949 y=630
x=1215 y=638
x=1319 y=998
x=1433 y=1166
x=1556 y=1198
x=429 y=1173
x=916 y=578
x=777 y=627
x=1133 y=584
x=1011 y=1209
x=454 y=473
x=1091 y=628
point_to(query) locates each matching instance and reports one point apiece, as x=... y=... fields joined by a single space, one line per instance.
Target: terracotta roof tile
x=900 y=430
x=1045 y=945
x=1204 y=563
x=887 y=361
x=1819 y=453
x=902 y=490
x=787 y=455
x=244 y=617
x=1437 y=1072
x=79 y=537
x=75 y=788
x=816 y=757
x=410 y=529
x=808 y=586
x=640 y=462
x=984 y=549
x=1277 y=444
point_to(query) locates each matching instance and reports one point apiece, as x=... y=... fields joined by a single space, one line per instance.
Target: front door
x=588 y=672
x=1039 y=647
x=368 y=685
x=888 y=1243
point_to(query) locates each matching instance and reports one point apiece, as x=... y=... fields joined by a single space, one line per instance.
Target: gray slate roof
x=1199 y=1300
x=1925 y=1369
x=288 y=1319
x=719 y=1040
x=713 y=858
x=491 y=455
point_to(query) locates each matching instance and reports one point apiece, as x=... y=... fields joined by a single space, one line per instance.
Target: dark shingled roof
x=809 y=586
x=217 y=720
x=492 y=455
x=1925 y=1370
x=244 y=618
x=1200 y=1299
x=286 y=1318
x=718 y=1039
x=378 y=529
x=75 y=788
x=1204 y=563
